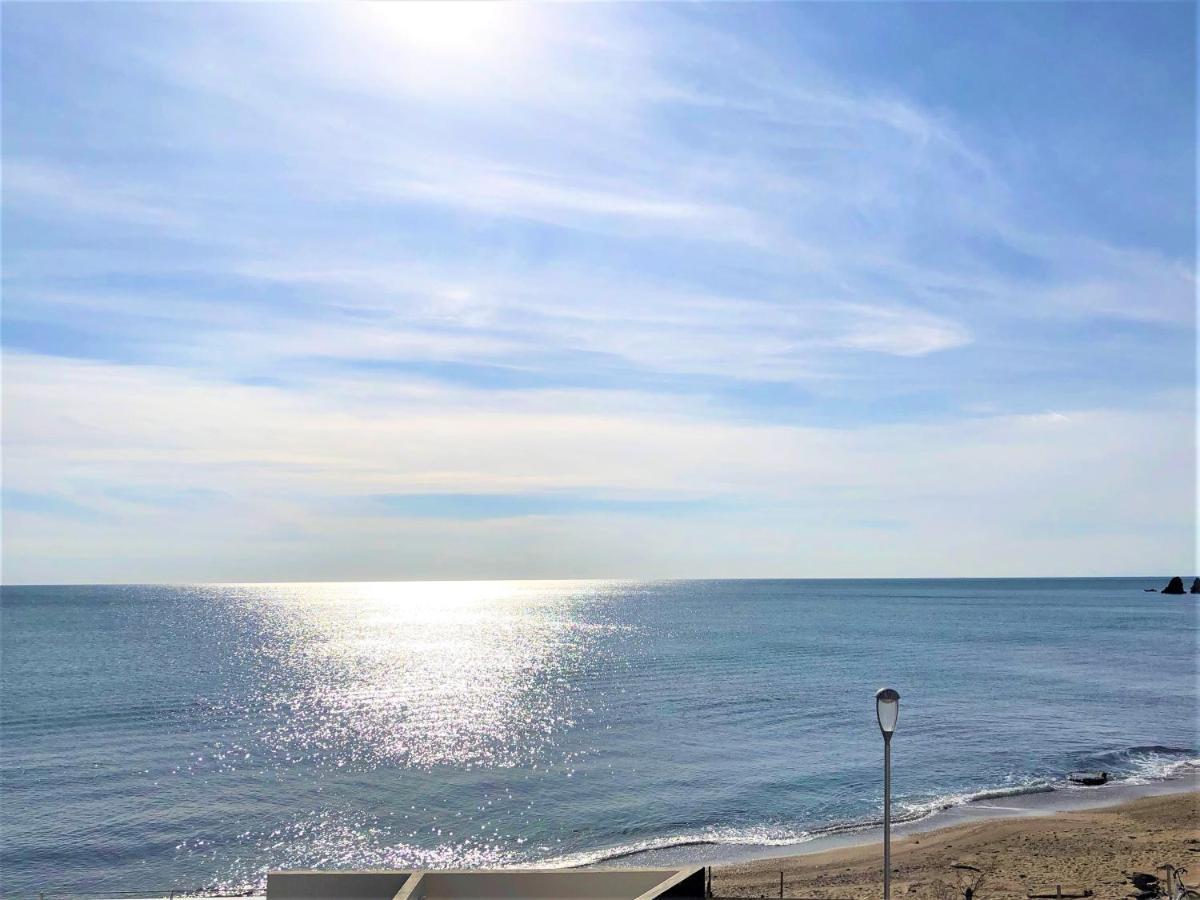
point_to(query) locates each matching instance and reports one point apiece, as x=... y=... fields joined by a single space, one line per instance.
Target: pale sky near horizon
x=305 y=292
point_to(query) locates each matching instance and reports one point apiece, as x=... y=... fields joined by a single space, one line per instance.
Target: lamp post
x=887 y=710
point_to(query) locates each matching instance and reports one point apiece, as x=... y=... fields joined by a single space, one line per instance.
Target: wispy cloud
x=580 y=263
x=265 y=467
x=37 y=188
x=48 y=505
x=516 y=506
x=541 y=196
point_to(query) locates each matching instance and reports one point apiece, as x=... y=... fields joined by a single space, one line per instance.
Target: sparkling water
x=177 y=737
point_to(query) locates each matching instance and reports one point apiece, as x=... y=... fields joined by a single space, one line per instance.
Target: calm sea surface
x=158 y=737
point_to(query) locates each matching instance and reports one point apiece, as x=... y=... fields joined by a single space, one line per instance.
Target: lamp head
x=887 y=708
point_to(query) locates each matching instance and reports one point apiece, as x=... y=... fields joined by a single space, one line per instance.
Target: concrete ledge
x=685 y=884
x=490 y=884
x=302 y=884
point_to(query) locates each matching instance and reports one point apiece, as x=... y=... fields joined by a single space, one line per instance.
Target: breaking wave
x=1146 y=764
x=1131 y=766
x=757 y=836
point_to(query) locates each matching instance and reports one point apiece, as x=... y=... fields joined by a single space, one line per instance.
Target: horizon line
x=586 y=579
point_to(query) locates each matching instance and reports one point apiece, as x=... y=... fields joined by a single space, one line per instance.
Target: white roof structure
x=489 y=884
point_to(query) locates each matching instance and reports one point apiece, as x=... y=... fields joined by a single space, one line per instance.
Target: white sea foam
x=1133 y=766
x=915 y=810
x=753 y=836
x=1146 y=765
x=782 y=836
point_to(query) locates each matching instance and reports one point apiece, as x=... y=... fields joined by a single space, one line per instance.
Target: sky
x=409 y=291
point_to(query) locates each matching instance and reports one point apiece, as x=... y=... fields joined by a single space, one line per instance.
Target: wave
x=781 y=836
x=1018 y=791
x=1145 y=764
x=917 y=809
x=1131 y=765
x=754 y=836
x=1148 y=748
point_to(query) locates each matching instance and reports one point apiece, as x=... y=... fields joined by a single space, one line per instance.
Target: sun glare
x=459 y=29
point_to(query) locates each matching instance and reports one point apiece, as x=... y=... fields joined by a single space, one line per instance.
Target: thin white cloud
x=842 y=215
x=36 y=186
x=901 y=332
x=272 y=461
x=542 y=196
x=655 y=203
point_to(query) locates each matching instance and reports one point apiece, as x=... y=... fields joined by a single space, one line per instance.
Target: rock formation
x=1175 y=586
x=1196 y=586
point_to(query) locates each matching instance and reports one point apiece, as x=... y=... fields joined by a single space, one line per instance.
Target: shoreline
x=1088 y=847
x=991 y=806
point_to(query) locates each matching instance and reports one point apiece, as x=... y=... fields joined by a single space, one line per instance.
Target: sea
x=157 y=738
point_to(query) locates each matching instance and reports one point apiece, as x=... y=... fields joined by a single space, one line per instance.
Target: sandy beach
x=1091 y=849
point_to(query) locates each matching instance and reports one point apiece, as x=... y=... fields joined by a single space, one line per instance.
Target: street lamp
x=887 y=710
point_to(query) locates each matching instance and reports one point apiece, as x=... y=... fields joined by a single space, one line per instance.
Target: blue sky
x=415 y=291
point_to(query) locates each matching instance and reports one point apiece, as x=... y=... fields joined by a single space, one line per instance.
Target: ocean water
x=195 y=736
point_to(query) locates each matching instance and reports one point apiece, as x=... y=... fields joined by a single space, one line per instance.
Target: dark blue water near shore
x=156 y=737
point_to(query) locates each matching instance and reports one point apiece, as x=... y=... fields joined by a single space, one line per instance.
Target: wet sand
x=1093 y=849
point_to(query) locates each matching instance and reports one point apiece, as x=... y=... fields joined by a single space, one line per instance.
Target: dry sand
x=1094 y=849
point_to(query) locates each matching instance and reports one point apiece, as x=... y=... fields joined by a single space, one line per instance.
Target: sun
x=461 y=28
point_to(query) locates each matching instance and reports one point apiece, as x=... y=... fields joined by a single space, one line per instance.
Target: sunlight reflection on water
x=450 y=673
x=202 y=734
